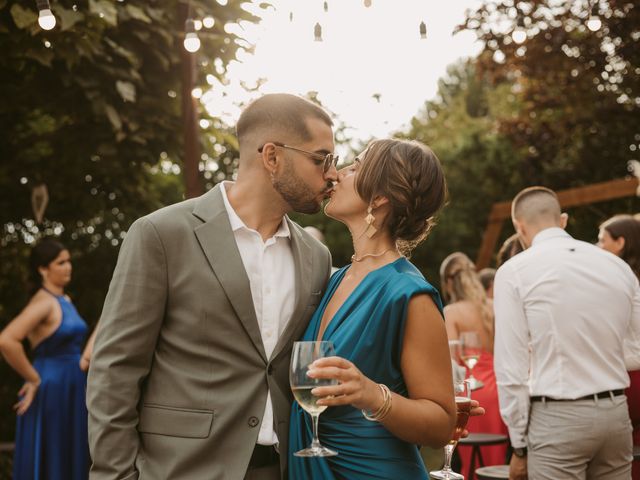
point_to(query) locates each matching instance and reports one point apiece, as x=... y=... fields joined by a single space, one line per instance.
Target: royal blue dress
x=51 y=436
x=368 y=330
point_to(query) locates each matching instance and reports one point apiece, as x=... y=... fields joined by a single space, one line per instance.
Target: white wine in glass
x=471 y=350
x=303 y=355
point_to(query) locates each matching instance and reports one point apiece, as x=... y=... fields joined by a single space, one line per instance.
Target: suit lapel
x=303 y=265
x=219 y=246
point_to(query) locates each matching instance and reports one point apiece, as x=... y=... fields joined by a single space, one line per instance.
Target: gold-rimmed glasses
x=327 y=160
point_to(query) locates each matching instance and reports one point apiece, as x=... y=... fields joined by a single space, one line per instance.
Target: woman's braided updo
x=410 y=176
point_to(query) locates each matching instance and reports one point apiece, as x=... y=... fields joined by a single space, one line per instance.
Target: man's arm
x=511 y=361
x=632 y=339
x=127 y=333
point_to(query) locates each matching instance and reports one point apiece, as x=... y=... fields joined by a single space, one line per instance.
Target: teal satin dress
x=368 y=330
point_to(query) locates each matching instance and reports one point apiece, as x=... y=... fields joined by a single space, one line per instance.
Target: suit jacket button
x=253 y=421
x=269 y=369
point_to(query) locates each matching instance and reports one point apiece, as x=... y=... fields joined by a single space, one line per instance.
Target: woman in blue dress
x=392 y=360
x=51 y=431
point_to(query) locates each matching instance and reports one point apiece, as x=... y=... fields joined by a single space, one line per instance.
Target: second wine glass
x=463 y=408
x=302 y=356
x=471 y=351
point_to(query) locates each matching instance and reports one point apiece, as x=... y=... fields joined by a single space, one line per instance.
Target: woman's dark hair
x=42 y=255
x=627 y=227
x=511 y=247
x=409 y=175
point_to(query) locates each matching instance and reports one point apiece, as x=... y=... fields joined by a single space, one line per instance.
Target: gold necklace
x=372 y=255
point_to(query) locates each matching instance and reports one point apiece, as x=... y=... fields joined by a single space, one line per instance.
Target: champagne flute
x=455 y=350
x=303 y=355
x=462 y=391
x=471 y=350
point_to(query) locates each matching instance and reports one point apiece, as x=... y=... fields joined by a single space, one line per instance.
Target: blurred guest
x=511 y=246
x=486 y=276
x=51 y=432
x=567 y=329
x=469 y=310
x=620 y=235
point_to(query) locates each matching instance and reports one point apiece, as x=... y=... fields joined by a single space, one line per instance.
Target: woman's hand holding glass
x=353 y=388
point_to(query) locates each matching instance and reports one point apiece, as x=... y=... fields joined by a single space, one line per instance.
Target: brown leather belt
x=593 y=396
x=264 y=456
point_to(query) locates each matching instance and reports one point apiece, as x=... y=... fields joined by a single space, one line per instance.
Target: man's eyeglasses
x=326 y=161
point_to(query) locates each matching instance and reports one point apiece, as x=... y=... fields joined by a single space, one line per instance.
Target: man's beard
x=296 y=192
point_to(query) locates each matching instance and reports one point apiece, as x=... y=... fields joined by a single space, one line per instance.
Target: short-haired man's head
x=278 y=117
x=537 y=206
x=409 y=175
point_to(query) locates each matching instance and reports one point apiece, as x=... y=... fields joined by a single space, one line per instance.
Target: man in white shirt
x=189 y=376
x=567 y=329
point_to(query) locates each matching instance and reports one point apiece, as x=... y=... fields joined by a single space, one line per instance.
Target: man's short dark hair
x=280 y=112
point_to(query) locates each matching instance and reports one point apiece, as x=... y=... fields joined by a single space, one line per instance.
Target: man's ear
x=564 y=219
x=269 y=157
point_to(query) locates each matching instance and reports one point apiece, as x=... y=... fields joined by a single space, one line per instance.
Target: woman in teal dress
x=51 y=430
x=392 y=360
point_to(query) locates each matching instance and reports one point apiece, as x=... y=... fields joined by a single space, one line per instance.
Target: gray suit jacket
x=179 y=376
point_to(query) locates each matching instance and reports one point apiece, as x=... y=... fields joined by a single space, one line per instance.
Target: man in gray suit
x=189 y=376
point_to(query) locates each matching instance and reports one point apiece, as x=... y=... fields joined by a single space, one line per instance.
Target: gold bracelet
x=384 y=409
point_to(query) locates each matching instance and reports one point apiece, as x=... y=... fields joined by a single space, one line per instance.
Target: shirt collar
x=237 y=223
x=548 y=233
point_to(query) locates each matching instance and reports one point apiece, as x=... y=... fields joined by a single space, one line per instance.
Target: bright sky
x=365 y=53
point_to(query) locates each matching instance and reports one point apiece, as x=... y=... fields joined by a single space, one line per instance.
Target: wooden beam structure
x=572 y=197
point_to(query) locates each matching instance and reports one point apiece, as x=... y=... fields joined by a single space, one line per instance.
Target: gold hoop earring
x=371 y=229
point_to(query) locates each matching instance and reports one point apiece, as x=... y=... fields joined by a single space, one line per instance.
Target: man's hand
x=476 y=410
x=518 y=468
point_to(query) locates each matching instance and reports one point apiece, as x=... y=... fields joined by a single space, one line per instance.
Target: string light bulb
x=594 y=23
x=367 y=3
x=519 y=34
x=317 y=32
x=46 y=19
x=423 y=30
x=191 y=40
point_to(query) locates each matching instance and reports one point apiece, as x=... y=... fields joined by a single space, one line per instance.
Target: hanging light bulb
x=317 y=32
x=326 y=6
x=46 y=20
x=367 y=3
x=291 y=16
x=519 y=33
x=423 y=31
x=191 y=40
x=594 y=23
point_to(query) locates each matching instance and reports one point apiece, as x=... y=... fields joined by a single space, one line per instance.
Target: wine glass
x=457 y=366
x=303 y=355
x=471 y=350
x=462 y=391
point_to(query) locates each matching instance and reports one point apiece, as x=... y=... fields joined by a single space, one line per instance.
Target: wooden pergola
x=573 y=197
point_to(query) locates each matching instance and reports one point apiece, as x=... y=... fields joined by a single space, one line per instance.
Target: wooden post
x=572 y=197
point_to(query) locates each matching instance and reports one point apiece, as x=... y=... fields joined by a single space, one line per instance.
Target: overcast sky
x=372 y=68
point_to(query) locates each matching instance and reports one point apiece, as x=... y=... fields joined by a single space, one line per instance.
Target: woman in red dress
x=469 y=310
x=620 y=235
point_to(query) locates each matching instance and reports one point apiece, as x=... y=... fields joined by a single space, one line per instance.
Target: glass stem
x=315 y=443
x=448 y=453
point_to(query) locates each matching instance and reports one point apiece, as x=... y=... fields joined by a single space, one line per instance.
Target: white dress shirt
x=567 y=318
x=271 y=271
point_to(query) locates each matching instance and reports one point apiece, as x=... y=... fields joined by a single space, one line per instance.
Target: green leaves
x=127 y=91
x=23 y=17
x=106 y=10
